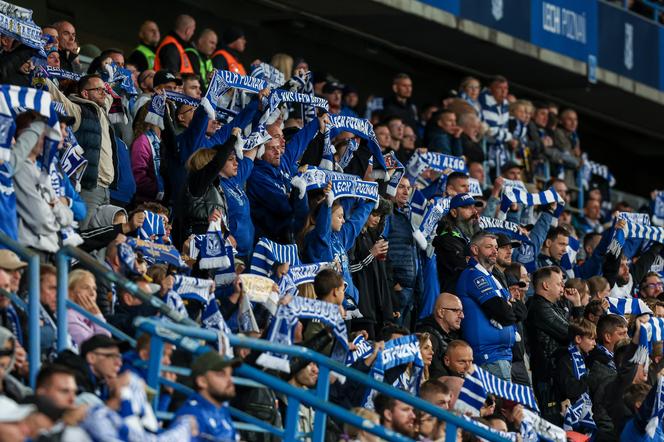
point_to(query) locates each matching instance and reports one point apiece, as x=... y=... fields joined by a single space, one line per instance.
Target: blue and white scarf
x=475 y=188
x=14 y=324
x=222 y=81
x=306 y=273
x=634 y=231
x=278 y=96
x=363 y=349
x=327 y=161
x=305 y=85
x=178 y=97
x=72 y=161
x=268 y=73
x=351 y=147
x=363 y=129
x=212 y=319
x=18 y=97
x=157 y=253
x=657 y=207
x=590 y=168
x=212 y=248
x=440 y=162
x=267 y=253
x=578 y=363
x=316 y=178
x=609 y=355
x=568 y=260
x=657 y=409
x=549 y=196
x=67 y=233
x=628 y=306
x=61 y=74
x=579 y=416
x=16 y=22
x=283 y=325
x=635 y=217
x=499 y=226
x=155 y=115
x=417 y=204
x=398 y=352
x=479 y=383
x=393 y=163
x=434 y=213
x=153 y=227
x=189 y=287
x=650 y=332
x=367 y=190
x=256 y=139
x=155 y=148
x=127 y=258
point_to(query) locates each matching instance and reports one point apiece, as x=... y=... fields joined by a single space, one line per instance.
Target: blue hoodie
x=269 y=188
x=239 y=215
x=324 y=245
x=126 y=186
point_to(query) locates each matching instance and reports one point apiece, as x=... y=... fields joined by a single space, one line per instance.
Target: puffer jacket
x=402 y=254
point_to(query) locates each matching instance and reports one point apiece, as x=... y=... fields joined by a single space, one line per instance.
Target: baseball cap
x=463 y=200
x=163 y=77
x=504 y=240
x=332 y=86
x=512 y=280
x=97 y=341
x=10 y=411
x=10 y=261
x=211 y=361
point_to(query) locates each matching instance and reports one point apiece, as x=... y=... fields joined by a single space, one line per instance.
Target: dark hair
x=514 y=270
x=643 y=284
x=589 y=236
x=47 y=269
x=609 y=324
x=326 y=281
x=498 y=79
x=635 y=393
x=456 y=176
x=433 y=386
x=544 y=273
x=83 y=82
x=46 y=372
x=383 y=402
x=400 y=76
x=555 y=232
x=189 y=77
x=392 y=329
x=594 y=307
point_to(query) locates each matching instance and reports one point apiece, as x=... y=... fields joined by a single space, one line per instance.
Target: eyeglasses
x=116 y=356
x=454 y=310
x=97 y=89
x=655 y=285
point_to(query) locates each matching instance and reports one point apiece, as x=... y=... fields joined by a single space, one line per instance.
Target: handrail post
x=33 y=318
x=290 y=426
x=154 y=366
x=450 y=432
x=62 y=264
x=322 y=392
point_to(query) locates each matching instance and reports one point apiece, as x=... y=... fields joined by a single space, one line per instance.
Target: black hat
x=504 y=240
x=211 y=361
x=332 y=86
x=231 y=34
x=97 y=341
x=512 y=281
x=163 y=77
x=510 y=165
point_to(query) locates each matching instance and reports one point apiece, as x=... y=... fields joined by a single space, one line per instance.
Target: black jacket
x=169 y=56
x=439 y=341
x=406 y=111
x=546 y=327
x=638 y=270
x=568 y=386
x=451 y=251
x=600 y=376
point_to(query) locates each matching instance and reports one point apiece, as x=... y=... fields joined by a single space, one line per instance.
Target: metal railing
x=34 y=343
x=188 y=337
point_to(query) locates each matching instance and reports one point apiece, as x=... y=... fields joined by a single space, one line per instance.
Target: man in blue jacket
x=273 y=208
x=488 y=325
x=211 y=374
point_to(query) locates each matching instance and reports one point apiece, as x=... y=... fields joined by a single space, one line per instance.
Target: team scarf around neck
x=628 y=306
x=19 y=97
x=579 y=416
x=578 y=363
x=440 y=162
x=394 y=164
x=306 y=273
x=16 y=22
x=363 y=129
x=434 y=212
x=609 y=355
x=479 y=383
x=283 y=325
x=650 y=332
x=268 y=253
x=516 y=195
x=568 y=259
x=400 y=352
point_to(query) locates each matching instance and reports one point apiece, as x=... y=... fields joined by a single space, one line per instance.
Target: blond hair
x=76 y=276
x=200 y=159
x=363 y=413
x=284 y=63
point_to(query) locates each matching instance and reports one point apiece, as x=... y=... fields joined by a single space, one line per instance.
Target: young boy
x=329 y=287
x=571 y=373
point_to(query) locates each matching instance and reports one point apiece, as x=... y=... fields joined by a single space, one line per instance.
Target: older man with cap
x=12 y=420
x=454 y=233
x=211 y=376
x=489 y=323
x=443 y=326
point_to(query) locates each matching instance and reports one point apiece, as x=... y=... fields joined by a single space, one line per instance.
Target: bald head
x=149 y=33
x=185 y=26
x=207 y=42
x=448 y=312
x=66 y=35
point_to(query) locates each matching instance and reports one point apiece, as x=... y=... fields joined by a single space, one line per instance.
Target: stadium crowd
x=444 y=237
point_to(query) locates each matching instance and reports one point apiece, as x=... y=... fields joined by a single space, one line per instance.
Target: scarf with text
x=440 y=162
x=367 y=190
x=157 y=253
x=306 y=273
x=393 y=163
x=283 y=325
x=363 y=349
x=579 y=416
x=363 y=129
x=16 y=22
x=578 y=363
x=432 y=215
x=316 y=178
